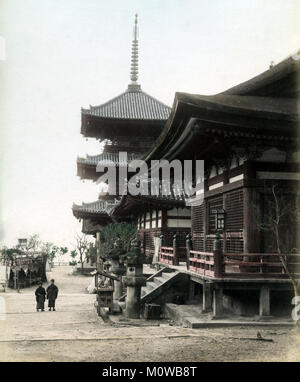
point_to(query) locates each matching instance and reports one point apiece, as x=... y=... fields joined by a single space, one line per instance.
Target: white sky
x=62 y=55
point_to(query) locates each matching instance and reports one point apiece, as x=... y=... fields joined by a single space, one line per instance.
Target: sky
x=57 y=56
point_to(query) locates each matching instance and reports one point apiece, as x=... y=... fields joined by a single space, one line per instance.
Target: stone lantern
x=134 y=279
x=117 y=267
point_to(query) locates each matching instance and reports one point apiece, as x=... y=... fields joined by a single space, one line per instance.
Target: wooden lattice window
x=198 y=218
x=234 y=211
x=215 y=204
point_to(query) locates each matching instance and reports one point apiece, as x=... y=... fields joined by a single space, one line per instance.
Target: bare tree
x=33 y=243
x=82 y=246
x=281 y=220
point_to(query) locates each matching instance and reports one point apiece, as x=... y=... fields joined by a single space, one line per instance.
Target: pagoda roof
x=133 y=104
x=87 y=167
x=106 y=159
x=130 y=205
x=93 y=209
x=132 y=113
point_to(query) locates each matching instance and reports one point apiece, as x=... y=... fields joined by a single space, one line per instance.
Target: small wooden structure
x=105 y=298
x=104 y=290
x=25 y=269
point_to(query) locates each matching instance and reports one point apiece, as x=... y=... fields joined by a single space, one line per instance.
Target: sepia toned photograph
x=150 y=184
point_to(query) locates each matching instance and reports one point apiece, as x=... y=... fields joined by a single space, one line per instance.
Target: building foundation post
x=207 y=298
x=191 y=290
x=264 y=301
x=218 y=301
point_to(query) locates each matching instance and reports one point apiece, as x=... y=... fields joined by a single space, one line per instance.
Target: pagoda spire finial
x=134 y=68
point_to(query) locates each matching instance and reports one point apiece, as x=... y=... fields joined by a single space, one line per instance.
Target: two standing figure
x=41 y=294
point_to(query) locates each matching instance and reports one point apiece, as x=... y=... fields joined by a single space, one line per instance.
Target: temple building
x=220 y=254
x=248 y=139
x=247 y=136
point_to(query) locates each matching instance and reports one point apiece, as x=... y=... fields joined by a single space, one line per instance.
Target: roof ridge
x=245 y=101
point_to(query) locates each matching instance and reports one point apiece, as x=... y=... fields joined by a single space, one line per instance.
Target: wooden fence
x=234 y=265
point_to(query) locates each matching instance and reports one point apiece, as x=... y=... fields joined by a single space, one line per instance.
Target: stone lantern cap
x=117 y=252
x=135 y=256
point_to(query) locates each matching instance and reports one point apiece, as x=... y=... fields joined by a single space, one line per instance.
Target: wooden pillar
x=218 y=257
x=218 y=301
x=188 y=248
x=164 y=220
x=144 y=241
x=207 y=298
x=191 y=290
x=251 y=221
x=225 y=181
x=264 y=301
x=175 y=250
x=98 y=251
x=205 y=223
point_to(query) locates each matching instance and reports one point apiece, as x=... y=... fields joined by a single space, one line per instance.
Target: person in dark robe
x=21 y=278
x=52 y=292
x=40 y=295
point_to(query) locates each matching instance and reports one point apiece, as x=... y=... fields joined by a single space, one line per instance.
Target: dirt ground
x=75 y=333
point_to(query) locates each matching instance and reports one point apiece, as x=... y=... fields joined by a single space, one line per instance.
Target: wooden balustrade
x=231 y=265
x=234 y=265
x=202 y=263
x=166 y=255
x=259 y=265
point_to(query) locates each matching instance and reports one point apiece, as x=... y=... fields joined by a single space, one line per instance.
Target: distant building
x=22 y=244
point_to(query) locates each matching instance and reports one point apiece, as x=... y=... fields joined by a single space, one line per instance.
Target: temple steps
x=158 y=284
x=151 y=285
x=167 y=276
x=158 y=280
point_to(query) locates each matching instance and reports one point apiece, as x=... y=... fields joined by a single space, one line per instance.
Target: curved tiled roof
x=132 y=104
x=97 y=207
x=279 y=107
x=107 y=158
x=264 y=83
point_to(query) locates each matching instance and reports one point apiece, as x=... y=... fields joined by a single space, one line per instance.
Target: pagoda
x=127 y=123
